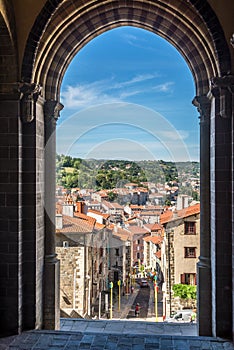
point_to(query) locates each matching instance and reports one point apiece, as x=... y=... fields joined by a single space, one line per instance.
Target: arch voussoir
x=166 y=20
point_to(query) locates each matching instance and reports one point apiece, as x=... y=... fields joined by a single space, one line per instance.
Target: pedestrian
x=137 y=309
x=132 y=289
x=193 y=316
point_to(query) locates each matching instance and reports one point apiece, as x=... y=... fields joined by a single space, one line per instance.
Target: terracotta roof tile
x=85 y=217
x=134 y=229
x=168 y=216
x=153 y=239
x=104 y=215
x=75 y=225
x=99 y=226
x=158 y=254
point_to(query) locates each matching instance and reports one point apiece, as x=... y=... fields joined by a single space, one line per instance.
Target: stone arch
x=8 y=55
x=60 y=31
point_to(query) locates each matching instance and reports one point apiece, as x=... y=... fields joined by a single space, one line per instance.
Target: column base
x=51 y=293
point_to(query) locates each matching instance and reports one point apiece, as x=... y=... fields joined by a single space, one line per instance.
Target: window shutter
x=182 y=278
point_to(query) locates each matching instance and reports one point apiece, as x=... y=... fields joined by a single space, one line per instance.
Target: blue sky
x=127 y=95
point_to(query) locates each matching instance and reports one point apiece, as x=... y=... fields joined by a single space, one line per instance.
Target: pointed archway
x=60 y=31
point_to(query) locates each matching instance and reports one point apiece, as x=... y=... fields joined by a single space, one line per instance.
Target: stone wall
x=71 y=278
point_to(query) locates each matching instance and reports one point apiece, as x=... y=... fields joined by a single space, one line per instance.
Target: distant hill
x=108 y=174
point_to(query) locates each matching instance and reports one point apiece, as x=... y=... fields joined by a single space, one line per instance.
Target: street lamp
x=88 y=296
x=169 y=269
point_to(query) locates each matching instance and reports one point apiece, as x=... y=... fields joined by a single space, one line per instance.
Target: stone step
x=126 y=335
x=61 y=340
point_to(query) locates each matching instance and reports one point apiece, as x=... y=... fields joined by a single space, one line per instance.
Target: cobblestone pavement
x=111 y=339
x=118 y=333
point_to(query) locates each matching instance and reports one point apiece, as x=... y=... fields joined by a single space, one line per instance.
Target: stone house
x=115 y=210
x=152 y=246
x=120 y=254
x=81 y=246
x=180 y=250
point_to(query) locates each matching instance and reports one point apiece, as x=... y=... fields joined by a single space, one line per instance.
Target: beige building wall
x=181 y=264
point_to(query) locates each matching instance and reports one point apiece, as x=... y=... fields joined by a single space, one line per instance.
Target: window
x=138 y=241
x=117 y=252
x=188 y=278
x=190 y=228
x=138 y=255
x=190 y=252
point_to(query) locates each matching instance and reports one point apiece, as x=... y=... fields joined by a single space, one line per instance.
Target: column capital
x=52 y=110
x=222 y=88
x=203 y=106
x=29 y=93
x=225 y=82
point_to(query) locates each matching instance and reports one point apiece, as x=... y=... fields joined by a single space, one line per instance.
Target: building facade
x=180 y=252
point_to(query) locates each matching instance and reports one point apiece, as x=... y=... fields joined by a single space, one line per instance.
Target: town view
x=127 y=196
x=127 y=237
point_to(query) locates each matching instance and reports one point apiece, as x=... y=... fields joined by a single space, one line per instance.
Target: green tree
x=112 y=196
x=185 y=291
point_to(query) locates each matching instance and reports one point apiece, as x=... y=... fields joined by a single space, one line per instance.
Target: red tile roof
x=104 y=215
x=85 y=217
x=157 y=227
x=158 y=254
x=136 y=230
x=75 y=225
x=168 y=216
x=154 y=227
x=153 y=239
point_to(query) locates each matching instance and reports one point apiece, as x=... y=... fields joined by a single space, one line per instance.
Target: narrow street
x=142 y=298
x=145 y=298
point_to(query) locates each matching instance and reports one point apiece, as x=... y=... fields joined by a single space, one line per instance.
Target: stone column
x=203 y=267
x=221 y=204
x=51 y=274
x=32 y=210
x=10 y=218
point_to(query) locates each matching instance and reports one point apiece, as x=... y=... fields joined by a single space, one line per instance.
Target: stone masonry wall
x=71 y=278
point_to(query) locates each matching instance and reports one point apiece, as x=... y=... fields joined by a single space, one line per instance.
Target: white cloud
x=137 y=79
x=81 y=96
x=90 y=94
x=131 y=39
x=165 y=87
x=123 y=95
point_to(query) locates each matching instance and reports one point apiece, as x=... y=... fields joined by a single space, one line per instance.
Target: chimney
x=68 y=209
x=81 y=207
x=59 y=222
x=182 y=202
